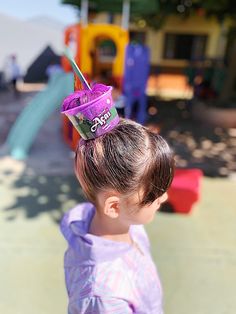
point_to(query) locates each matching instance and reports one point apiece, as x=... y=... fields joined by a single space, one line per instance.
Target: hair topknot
x=128 y=159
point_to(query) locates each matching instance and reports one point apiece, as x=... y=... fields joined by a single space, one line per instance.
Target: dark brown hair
x=128 y=159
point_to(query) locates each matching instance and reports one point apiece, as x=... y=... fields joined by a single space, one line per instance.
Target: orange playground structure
x=99 y=50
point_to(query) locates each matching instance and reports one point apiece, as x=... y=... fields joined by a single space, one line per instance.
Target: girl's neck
x=109 y=228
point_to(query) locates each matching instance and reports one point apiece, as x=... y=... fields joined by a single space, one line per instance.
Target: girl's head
x=131 y=162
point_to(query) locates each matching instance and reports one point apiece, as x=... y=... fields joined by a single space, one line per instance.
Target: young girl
x=124 y=174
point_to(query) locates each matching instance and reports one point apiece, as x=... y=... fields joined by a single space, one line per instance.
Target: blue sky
x=25 y=9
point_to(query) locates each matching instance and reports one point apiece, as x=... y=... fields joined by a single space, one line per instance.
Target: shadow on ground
x=36 y=195
x=196 y=145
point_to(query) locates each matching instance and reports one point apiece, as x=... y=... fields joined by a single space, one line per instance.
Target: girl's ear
x=163 y=198
x=112 y=207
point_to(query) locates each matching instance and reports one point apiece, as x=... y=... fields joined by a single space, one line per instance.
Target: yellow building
x=172 y=48
x=180 y=40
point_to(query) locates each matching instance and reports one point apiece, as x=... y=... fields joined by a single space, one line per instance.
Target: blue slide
x=27 y=125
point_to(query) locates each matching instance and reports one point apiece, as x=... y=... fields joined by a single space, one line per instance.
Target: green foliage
x=115 y=6
x=221 y=9
x=155 y=12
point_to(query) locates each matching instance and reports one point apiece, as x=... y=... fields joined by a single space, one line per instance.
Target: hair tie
x=91 y=112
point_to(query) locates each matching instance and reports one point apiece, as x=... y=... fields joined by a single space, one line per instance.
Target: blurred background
x=172 y=64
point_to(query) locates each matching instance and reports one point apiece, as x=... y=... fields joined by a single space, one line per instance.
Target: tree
x=155 y=12
x=115 y=6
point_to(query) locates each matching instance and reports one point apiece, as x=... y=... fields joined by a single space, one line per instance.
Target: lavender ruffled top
x=104 y=276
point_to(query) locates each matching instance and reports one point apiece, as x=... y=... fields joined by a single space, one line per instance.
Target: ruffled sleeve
x=100 y=305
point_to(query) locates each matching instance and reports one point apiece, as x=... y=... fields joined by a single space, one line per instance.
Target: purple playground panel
x=137 y=63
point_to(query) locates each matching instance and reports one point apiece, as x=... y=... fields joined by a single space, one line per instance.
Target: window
x=106 y=50
x=184 y=46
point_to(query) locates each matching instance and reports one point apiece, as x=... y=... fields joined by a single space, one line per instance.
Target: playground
x=195 y=253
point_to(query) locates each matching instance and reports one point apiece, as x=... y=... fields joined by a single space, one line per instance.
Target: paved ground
x=195 y=253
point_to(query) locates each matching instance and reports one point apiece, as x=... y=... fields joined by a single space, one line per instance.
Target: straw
x=75 y=67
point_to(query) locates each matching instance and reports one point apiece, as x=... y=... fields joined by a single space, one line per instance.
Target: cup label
x=100 y=120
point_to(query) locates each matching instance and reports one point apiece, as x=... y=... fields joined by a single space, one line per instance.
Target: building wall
x=215 y=46
x=26 y=40
x=194 y=25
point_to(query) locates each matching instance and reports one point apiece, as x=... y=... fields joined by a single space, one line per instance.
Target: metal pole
x=84 y=12
x=125 y=14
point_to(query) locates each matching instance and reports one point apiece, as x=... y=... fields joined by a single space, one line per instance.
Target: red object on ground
x=185 y=189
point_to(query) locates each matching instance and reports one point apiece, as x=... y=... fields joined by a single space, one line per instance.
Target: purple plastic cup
x=92 y=113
